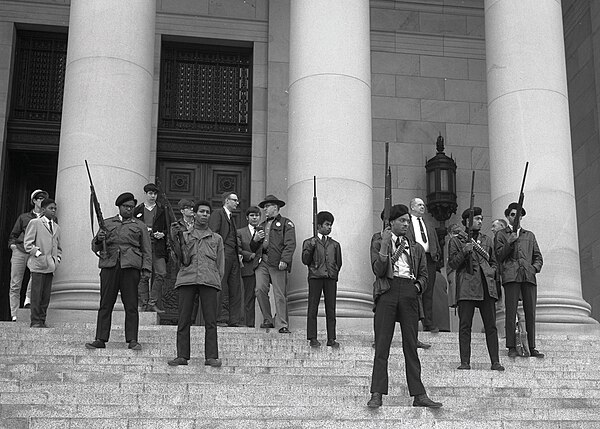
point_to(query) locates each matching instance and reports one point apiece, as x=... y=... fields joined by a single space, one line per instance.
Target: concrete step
x=269 y=380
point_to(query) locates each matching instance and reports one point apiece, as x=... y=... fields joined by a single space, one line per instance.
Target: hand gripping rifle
x=95 y=208
x=517 y=220
x=387 y=195
x=470 y=224
x=175 y=248
x=314 y=206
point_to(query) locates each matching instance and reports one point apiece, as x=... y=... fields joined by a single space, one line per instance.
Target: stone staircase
x=269 y=380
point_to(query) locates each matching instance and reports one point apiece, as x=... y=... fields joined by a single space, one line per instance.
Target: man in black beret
x=124 y=250
x=475 y=264
x=276 y=238
x=154 y=216
x=521 y=260
x=400 y=269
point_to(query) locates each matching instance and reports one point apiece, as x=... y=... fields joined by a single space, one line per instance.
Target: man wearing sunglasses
x=520 y=257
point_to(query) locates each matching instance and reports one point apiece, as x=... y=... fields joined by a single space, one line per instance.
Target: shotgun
x=95 y=208
x=388 y=188
x=470 y=224
x=314 y=206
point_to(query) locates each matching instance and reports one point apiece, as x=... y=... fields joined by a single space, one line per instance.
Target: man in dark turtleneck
x=475 y=264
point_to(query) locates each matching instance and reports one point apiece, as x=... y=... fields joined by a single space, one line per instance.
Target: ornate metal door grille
x=39 y=76
x=205 y=88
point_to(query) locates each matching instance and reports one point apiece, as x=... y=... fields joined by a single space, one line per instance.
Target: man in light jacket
x=42 y=242
x=202 y=276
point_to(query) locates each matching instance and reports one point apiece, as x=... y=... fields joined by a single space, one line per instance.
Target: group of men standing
x=215 y=258
x=511 y=258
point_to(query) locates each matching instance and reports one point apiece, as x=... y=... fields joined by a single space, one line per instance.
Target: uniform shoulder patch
x=290 y=223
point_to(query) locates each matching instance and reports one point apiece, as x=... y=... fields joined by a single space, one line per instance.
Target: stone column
x=330 y=138
x=107 y=111
x=528 y=118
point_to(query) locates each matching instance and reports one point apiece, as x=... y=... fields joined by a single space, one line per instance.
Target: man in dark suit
x=153 y=215
x=250 y=261
x=421 y=232
x=401 y=273
x=221 y=221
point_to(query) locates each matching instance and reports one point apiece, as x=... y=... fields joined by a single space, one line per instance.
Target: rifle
x=170 y=219
x=387 y=194
x=470 y=224
x=517 y=221
x=95 y=207
x=314 y=206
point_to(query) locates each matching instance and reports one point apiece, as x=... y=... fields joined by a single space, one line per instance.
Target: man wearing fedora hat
x=521 y=260
x=276 y=236
x=19 y=258
x=128 y=251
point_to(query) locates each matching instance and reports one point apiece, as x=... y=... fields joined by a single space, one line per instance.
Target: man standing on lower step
x=400 y=268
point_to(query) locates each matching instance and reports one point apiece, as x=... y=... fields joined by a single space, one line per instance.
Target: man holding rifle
x=518 y=252
x=123 y=244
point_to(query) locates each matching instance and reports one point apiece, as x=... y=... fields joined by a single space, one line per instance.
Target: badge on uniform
x=278 y=224
x=290 y=223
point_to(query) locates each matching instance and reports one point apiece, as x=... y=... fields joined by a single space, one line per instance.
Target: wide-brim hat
x=124 y=197
x=514 y=206
x=272 y=199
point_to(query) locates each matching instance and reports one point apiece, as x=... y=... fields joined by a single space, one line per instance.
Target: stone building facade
x=324 y=85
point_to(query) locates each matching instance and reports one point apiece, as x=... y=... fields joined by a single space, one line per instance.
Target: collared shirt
x=227 y=212
x=252 y=230
x=149 y=207
x=417 y=228
x=401 y=267
x=321 y=236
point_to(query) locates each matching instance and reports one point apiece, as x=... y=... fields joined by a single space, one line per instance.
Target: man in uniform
x=278 y=242
x=230 y=298
x=128 y=251
x=18 y=261
x=475 y=264
x=521 y=260
x=401 y=273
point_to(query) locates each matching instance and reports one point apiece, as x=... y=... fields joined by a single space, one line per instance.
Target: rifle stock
x=95 y=207
x=388 y=189
x=470 y=223
x=314 y=206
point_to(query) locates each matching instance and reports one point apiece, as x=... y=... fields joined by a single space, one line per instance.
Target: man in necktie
x=401 y=273
x=230 y=298
x=476 y=289
x=323 y=257
x=422 y=233
x=42 y=242
x=250 y=261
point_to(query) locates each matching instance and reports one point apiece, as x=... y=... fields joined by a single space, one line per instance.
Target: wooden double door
x=199 y=181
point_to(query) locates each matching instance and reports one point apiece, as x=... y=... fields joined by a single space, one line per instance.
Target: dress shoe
x=432 y=329
x=178 y=361
x=424 y=401
x=222 y=324
x=333 y=344
x=497 y=366
x=512 y=352
x=134 y=345
x=536 y=354
x=155 y=309
x=215 y=363
x=266 y=324
x=464 y=365
x=375 y=401
x=421 y=345
x=96 y=344
x=314 y=342
x=284 y=330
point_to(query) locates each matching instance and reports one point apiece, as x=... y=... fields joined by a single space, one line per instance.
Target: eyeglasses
x=187 y=208
x=234 y=199
x=127 y=207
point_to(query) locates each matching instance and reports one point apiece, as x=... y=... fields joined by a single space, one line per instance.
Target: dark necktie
x=324 y=239
x=50 y=224
x=423 y=235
